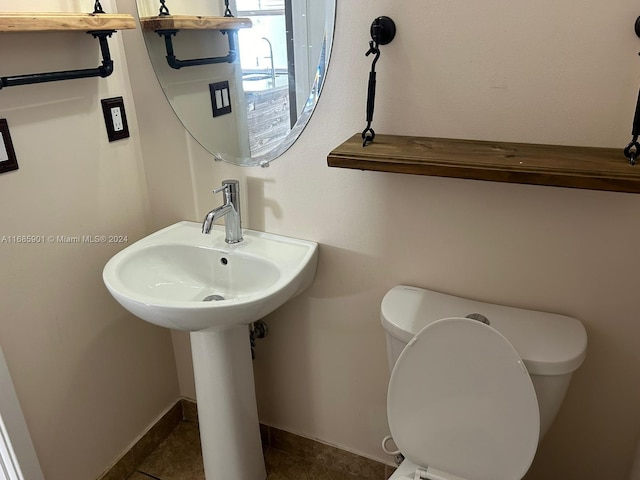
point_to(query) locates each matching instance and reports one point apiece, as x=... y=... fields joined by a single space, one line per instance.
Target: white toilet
x=467 y=400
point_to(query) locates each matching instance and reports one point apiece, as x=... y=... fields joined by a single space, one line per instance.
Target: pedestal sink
x=182 y=279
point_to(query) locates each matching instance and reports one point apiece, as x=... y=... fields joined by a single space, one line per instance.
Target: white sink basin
x=183 y=279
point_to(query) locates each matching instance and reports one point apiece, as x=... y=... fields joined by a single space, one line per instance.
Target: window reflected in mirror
x=274 y=53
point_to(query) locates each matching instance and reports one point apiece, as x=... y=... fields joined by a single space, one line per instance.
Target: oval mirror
x=244 y=87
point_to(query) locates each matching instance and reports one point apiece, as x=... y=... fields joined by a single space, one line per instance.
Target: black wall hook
x=632 y=150
x=383 y=31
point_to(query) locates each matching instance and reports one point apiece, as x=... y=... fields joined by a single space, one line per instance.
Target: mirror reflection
x=274 y=81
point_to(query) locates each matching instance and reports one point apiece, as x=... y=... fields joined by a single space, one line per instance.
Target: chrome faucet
x=230 y=210
x=273 y=68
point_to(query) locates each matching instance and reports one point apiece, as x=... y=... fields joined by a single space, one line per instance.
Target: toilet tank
x=551 y=346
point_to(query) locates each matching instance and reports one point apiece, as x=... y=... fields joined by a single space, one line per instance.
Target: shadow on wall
x=325 y=316
x=258 y=205
x=343 y=272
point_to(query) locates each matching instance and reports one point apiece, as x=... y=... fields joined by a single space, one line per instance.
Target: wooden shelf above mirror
x=60 y=21
x=552 y=165
x=191 y=22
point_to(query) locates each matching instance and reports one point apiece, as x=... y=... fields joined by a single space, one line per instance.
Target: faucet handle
x=229 y=186
x=222 y=188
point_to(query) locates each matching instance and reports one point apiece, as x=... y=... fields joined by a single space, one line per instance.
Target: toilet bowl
x=474 y=386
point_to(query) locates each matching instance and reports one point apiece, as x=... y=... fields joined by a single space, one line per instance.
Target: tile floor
x=179 y=457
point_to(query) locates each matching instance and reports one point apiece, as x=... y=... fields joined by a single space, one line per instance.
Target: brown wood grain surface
x=60 y=21
x=553 y=165
x=192 y=22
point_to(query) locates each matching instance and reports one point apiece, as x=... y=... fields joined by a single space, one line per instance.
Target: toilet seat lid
x=460 y=400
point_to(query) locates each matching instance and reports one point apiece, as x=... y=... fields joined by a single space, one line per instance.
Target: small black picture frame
x=8 y=160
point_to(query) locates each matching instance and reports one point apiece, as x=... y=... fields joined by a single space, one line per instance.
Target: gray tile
x=140 y=476
x=284 y=466
x=327 y=456
x=189 y=410
x=157 y=434
x=389 y=470
x=178 y=457
x=121 y=470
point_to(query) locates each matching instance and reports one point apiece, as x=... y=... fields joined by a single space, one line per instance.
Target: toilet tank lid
x=549 y=344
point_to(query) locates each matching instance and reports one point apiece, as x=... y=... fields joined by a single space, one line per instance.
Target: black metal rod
x=103 y=70
x=175 y=62
x=371 y=96
x=635 y=131
x=383 y=31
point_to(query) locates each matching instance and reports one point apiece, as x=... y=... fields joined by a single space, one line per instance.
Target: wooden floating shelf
x=52 y=22
x=552 y=165
x=191 y=22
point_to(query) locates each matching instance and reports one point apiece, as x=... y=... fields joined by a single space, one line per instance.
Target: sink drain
x=479 y=317
x=213 y=298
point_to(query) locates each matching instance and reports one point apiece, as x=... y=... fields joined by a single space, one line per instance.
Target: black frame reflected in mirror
x=11 y=162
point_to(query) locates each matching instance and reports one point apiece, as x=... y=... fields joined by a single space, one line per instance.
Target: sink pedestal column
x=227 y=411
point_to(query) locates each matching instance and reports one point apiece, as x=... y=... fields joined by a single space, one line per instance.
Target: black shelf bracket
x=103 y=70
x=176 y=63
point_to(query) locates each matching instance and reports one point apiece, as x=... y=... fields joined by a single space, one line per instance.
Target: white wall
x=544 y=72
x=90 y=377
x=150 y=8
